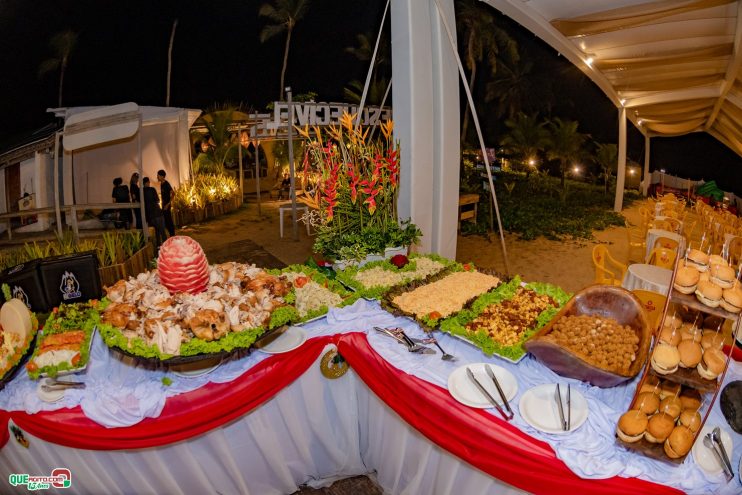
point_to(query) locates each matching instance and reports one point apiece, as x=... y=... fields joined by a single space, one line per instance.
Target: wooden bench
x=466 y=213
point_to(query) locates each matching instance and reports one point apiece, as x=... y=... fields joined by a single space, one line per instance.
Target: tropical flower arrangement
x=356 y=189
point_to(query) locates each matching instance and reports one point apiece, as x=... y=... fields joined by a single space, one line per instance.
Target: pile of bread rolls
x=663 y=413
x=712 y=280
x=685 y=345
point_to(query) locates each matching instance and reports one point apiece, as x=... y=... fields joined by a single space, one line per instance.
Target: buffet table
x=266 y=424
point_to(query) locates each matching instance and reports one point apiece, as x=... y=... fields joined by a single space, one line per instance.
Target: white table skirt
x=315 y=431
x=647 y=277
x=653 y=234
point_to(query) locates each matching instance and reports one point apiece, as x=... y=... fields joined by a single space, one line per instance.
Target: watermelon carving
x=182 y=265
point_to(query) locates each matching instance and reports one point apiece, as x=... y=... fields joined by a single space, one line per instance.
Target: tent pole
x=647 y=178
x=475 y=119
x=256 y=143
x=291 y=164
x=57 y=209
x=239 y=153
x=145 y=228
x=621 y=172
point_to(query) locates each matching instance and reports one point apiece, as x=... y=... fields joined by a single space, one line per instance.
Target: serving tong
x=713 y=442
x=566 y=421
x=506 y=415
x=401 y=337
x=52 y=385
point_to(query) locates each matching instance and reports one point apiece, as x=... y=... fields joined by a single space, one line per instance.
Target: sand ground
x=564 y=263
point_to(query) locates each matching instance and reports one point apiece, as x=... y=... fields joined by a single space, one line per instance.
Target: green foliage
x=538 y=206
x=355 y=245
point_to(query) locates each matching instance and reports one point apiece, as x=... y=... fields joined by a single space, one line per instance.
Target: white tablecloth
x=653 y=234
x=647 y=277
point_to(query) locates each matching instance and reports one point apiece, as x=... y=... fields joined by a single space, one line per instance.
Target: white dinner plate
x=54 y=396
x=704 y=456
x=288 y=341
x=539 y=408
x=193 y=370
x=464 y=391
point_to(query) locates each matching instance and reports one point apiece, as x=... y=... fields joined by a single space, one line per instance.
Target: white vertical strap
x=475 y=119
x=371 y=68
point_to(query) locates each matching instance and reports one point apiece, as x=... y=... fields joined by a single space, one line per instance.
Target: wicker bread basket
x=599 y=300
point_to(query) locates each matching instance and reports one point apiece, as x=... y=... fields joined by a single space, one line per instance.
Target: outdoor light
x=576 y=169
x=640 y=122
x=631 y=171
x=589 y=61
x=532 y=162
x=623 y=101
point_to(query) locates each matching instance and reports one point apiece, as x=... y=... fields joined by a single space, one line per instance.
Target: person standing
x=153 y=212
x=135 y=198
x=166 y=193
x=120 y=194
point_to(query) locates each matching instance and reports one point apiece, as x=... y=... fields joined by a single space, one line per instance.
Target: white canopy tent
x=106 y=151
x=671 y=67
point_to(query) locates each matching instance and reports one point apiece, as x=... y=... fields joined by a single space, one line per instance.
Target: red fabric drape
x=479 y=438
x=184 y=416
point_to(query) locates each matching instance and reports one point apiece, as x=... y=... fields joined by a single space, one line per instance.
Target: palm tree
x=219 y=146
x=62 y=44
x=379 y=82
x=482 y=38
x=376 y=91
x=607 y=158
x=365 y=50
x=284 y=15
x=526 y=136
x=518 y=88
x=565 y=143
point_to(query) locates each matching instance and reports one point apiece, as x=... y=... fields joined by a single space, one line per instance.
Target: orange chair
x=661 y=225
x=608 y=271
x=735 y=251
x=637 y=244
x=653 y=303
x=675 y=225
x=662 y=257
x=665 y=242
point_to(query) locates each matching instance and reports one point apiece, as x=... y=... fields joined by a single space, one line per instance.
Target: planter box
x=138 y=263
x=109 y=275
x=188 y=216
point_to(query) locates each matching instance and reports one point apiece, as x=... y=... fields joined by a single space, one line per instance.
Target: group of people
x=157 y=214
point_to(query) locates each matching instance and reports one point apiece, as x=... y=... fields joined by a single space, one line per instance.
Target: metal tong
x=489 y=397
x=402 y=338
x=492 y=375
x=566 y=421
x=722 y=452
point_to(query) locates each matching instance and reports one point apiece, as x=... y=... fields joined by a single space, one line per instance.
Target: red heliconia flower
x=354 y=179
x=371 y=202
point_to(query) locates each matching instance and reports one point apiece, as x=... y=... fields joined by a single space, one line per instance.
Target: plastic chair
x=662 y=257
x=673 y=224
x=735 y=251
x=637 y=244
x=666 y=242
x=661 y=225
x=653 y=303
x=608 y=271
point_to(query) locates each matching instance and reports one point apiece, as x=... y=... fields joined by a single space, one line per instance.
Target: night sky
x=121 y=55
